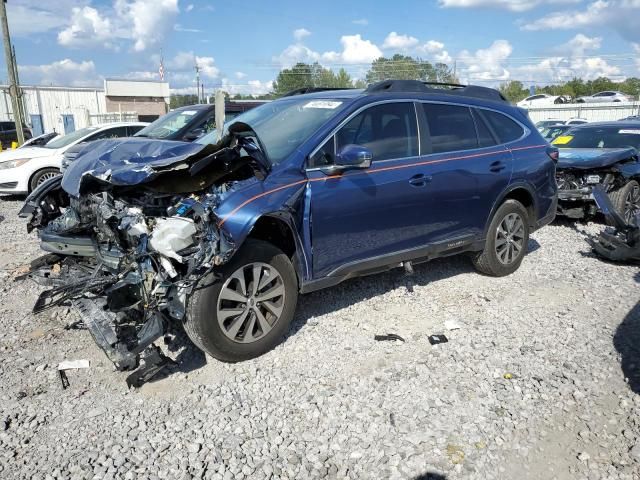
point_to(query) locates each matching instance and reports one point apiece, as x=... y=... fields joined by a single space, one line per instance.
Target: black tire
x=41 y=176
x=487 y=261
x=201 y=322
x=626 y=200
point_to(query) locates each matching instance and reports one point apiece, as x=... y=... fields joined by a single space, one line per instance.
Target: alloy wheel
x=632 y=204
x=250 y=302
x=510 y=239
x=46 y=176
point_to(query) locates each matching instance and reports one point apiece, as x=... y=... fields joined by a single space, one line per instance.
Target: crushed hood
x=587 y=158
x=136 y=161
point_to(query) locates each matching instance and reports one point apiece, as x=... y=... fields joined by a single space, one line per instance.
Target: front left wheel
x=247 y=312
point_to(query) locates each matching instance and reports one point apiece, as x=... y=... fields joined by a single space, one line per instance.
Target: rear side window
x=388 y=130
x=505 y=129
x=485 y=137
x=451 y=127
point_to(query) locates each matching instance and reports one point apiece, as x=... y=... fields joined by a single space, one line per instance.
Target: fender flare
x=519 y=185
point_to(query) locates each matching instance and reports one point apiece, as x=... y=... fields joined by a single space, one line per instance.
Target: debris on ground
x=389 y=337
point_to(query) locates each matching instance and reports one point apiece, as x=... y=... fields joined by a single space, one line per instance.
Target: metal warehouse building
x=65 y=109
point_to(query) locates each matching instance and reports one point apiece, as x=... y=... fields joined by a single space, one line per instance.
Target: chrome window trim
x=525 y=129
x=354 y=114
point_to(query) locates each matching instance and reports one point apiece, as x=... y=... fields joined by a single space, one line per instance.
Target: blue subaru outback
x=299 y=194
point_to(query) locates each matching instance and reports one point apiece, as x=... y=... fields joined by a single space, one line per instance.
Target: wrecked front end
x=130 y=232
x=620 y=242
x=580 y=171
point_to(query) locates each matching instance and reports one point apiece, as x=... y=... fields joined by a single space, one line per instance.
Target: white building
x=65 y=109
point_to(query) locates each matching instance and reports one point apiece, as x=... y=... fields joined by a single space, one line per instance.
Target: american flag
x=161 y=70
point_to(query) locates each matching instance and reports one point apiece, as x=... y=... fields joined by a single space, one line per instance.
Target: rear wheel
x=42 y=176
x=626 y=200
x=247 y=312
x=507 y=240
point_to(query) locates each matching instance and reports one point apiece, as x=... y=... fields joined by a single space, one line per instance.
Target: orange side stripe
x=365 y=172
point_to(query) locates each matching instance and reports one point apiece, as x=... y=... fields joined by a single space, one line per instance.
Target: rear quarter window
x=505 y=129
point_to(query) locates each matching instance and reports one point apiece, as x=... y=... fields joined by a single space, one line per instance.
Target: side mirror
x=351 y=157
x=193 y=134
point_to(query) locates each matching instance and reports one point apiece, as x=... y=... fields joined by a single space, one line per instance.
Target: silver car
x=602 y=97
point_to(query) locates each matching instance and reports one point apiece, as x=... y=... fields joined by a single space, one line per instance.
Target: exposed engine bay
x=575 y=190
x=129 y=240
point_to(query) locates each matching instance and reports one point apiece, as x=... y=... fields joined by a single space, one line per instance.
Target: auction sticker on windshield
x=562 y=140
x=189 y=112
x=631 y=131
x=328 y=104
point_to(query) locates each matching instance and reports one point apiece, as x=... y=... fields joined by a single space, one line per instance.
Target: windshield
x=168 y=124
x=283 y=126
x=69 y=138
x=599 y=137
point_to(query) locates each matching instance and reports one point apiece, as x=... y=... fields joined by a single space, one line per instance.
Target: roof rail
x=417 y=86
x=303 y=90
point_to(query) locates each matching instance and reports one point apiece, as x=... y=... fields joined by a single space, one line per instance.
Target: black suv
x=8 y=133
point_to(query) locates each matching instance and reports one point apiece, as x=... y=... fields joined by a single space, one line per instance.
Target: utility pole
x=198 y=81
x=11 y=70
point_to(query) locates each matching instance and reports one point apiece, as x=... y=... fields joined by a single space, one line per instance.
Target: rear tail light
x=553 y=153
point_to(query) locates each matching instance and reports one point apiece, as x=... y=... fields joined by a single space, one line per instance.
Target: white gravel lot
x=541 y=381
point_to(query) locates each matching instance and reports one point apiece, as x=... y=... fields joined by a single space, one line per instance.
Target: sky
x=241 y=45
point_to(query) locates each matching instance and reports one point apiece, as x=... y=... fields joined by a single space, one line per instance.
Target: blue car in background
x=297 y=195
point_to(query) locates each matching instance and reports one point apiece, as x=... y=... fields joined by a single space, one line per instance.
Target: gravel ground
x=540 y=382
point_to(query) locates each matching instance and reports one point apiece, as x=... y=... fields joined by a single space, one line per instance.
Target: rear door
x=467 y=169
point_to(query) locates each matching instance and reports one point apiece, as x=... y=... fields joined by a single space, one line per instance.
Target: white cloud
x=150 y=18
x=301 y=33
x=636 y=47
x=28 y=17
x=354 y=50
x=143 y=22
x=565 y=20
x=435 y=50
x=189 y=7
x=240 y=75
x=581 y=43
x=574 y=64
x=512 y=5
x=486 y=64
x=63 y=72
x=87 y=28
x=252 y=87
x=360 y=21
x=399 y=42
x=296 y=53
x=179 y=28
x=181 y=68
x=618 y=15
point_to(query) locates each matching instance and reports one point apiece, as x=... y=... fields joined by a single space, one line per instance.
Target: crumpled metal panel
x=587 y=158
x=128 y=161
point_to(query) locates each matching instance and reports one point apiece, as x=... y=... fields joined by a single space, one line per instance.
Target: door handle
x=420 y=180
x=497 y=166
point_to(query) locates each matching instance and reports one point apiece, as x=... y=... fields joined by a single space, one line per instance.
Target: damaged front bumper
x=128 y=258
x=576 y=203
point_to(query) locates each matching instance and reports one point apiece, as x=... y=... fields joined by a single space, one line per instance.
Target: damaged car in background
x=223 y=234
x=599 y=154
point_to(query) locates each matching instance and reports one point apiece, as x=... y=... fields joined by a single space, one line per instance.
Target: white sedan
x=23 y=169
x=541 y=100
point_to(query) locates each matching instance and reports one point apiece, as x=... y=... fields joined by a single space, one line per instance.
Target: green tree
x=315 y=75
x=513 y=91
x=401 y=67
x=177 y=101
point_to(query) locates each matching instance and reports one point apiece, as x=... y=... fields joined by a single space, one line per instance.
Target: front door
x=363 y=214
